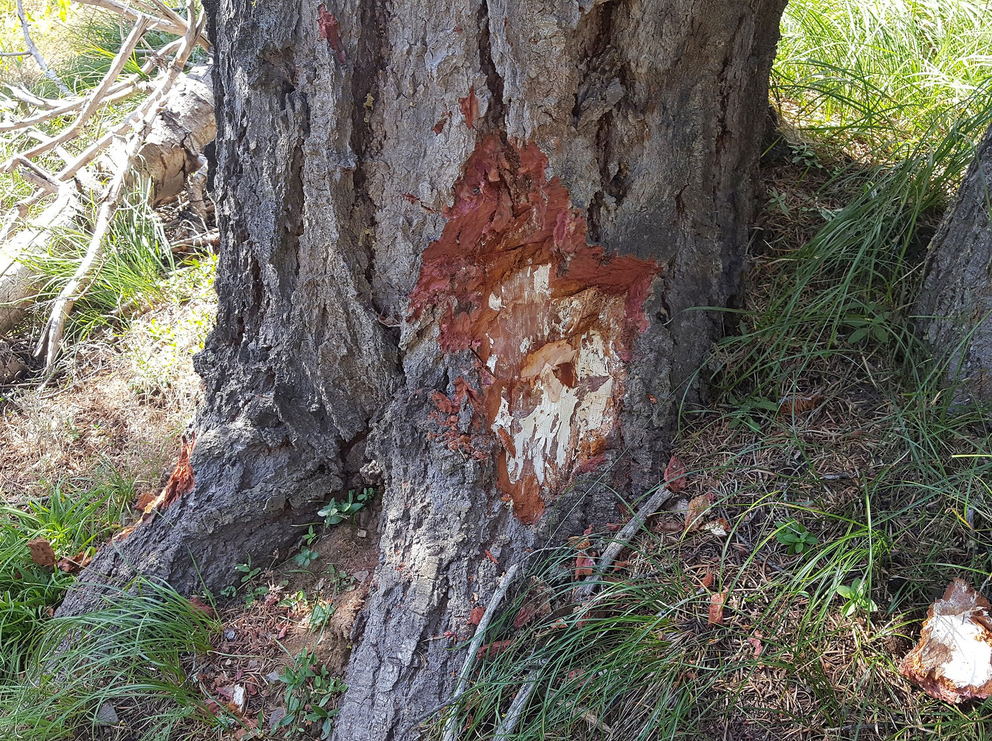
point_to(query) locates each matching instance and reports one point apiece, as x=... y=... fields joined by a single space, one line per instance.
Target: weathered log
x=18 y=281
x=173 y=150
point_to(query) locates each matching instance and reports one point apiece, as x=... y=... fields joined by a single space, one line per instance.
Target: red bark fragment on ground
x=492 y=650
x=550 y=320
x=675 y=473
x=717 y=601
x=475 y=617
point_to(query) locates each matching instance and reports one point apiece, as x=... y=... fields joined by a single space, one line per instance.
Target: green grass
x=880 y=72
x=131 y=655
x=137 y=256
x=74 y=520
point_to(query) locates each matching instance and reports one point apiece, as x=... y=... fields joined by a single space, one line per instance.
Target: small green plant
x=858 y=596
x=305 y=557
x=337 y=511
x=795 y=537
x=310 y=690
x=322 y=612
x=249 y=573
x=340 y=579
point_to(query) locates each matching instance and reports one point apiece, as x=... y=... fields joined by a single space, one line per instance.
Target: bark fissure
x=495 y=118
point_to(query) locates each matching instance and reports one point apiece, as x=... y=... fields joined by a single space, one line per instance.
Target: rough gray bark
x=956 y=301
x=410 y=293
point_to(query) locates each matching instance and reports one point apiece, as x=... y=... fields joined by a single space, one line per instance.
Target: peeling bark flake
x=549 y=318
x=331 y=31
x=470 y=109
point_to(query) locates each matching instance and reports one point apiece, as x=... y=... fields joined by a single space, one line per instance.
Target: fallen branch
x=22 y=16
x=451 y=725
x=18 y=280
x=621 y=540
x=118 y=92
x=516 y=709
x=169 y=25
x=95 y=98
x=50 y=342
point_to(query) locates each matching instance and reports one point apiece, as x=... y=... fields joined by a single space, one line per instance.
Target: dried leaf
x=583 y=566
x=707 y=580
x=42 y=553
x=791 y=406
x=492 y=650
x=475 y=617
x=953 y=660
x=717 y=600
x=538 y=604
x=75 y=564
x=698 y=507
x=756 y=645
x=675 y=473
x=202 y=606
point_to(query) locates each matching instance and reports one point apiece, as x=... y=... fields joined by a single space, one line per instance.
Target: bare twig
x=33 y=100
x=170 y=25
x=15 y=53
x=516 y=709
x=451 y=725
x=117 y=92
x=35 y=52
x=621 y=540
x=96 y=97
x=37 y=175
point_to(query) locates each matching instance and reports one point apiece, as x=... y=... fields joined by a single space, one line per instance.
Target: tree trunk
x=462 y=245
x=956 y=300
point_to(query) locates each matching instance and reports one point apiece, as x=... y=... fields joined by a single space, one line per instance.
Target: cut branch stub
x=549 y=318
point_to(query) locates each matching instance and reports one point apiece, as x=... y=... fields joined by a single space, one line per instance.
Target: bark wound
x=549 y=318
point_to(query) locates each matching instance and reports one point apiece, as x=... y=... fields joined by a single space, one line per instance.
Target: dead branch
x=117 y=92
x=15 y=53
x=175 y=23
x=621 y=540
x=451 y=725
x=516 y=709
x=95 y=99
x=22 y=16
x=50 y=342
